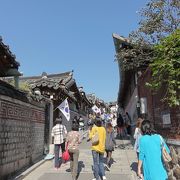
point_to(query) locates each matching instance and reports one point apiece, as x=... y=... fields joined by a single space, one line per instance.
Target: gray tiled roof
x=7 y=61
x=54 y=81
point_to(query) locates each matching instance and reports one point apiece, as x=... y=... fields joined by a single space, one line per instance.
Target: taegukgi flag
x=64 y=108
x=96 y=109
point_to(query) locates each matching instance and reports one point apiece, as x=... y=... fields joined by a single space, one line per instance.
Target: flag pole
x=55 y=108
x=61 y=102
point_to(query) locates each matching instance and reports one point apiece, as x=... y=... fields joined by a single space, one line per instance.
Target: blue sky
x=63 y=35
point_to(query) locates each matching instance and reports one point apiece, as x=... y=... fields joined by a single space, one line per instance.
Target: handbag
x=165 y=155
x=95 y=139
x=65 y=154
x=109 y=145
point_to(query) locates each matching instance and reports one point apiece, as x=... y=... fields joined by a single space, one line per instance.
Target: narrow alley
x=123 y=167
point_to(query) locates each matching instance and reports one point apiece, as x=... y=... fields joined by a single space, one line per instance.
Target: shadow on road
x=125 y=142
x=80 y=166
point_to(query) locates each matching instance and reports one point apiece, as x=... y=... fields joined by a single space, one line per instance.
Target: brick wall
x=21 y=134
x=156 y=109
x=171 y=130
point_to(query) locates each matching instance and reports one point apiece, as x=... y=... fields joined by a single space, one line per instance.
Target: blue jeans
x=98 y=166
x=56 y=153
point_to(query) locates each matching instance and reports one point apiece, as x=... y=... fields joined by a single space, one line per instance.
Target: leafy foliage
x=159 y=19
x=24 y=86
x=135 y=56
x=166 y=68
x=156 y=42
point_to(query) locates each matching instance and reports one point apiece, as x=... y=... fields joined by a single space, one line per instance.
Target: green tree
x=23 y=86
x=159 y=19
x=166 y=68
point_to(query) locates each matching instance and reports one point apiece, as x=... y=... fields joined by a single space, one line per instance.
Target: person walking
x=150 y=154
x=114 y=122
x=59 y=133
x=81 y=123
x=110 y=143
x=120 y=126
x=128 y=123
x=73 y=140
x=98 y=149
x=137 y=135
x=75 y=120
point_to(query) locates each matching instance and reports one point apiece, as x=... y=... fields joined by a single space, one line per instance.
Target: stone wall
x=169 y=129
x=173 y=167
x=21 y=134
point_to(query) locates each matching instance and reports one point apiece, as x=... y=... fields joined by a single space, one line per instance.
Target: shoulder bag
x=165 y=155
x=95 y=138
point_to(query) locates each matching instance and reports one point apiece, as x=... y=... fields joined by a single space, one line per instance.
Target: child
x=110 y=143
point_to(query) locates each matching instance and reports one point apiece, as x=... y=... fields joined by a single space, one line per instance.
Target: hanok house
x=138 y=100
x=22 y=121
x=58 y=87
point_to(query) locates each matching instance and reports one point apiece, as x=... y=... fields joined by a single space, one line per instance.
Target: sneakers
x=104 y=178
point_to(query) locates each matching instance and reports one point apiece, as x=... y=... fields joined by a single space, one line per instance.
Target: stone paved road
x=83 y=176
x=123 y=167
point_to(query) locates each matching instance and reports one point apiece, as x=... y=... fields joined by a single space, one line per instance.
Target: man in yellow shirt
x=98 y=149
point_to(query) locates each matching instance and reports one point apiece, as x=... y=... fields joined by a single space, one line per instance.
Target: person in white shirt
x=59 y=133
x=114 y=122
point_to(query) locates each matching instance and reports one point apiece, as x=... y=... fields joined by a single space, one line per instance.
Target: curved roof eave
x=118 y=41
